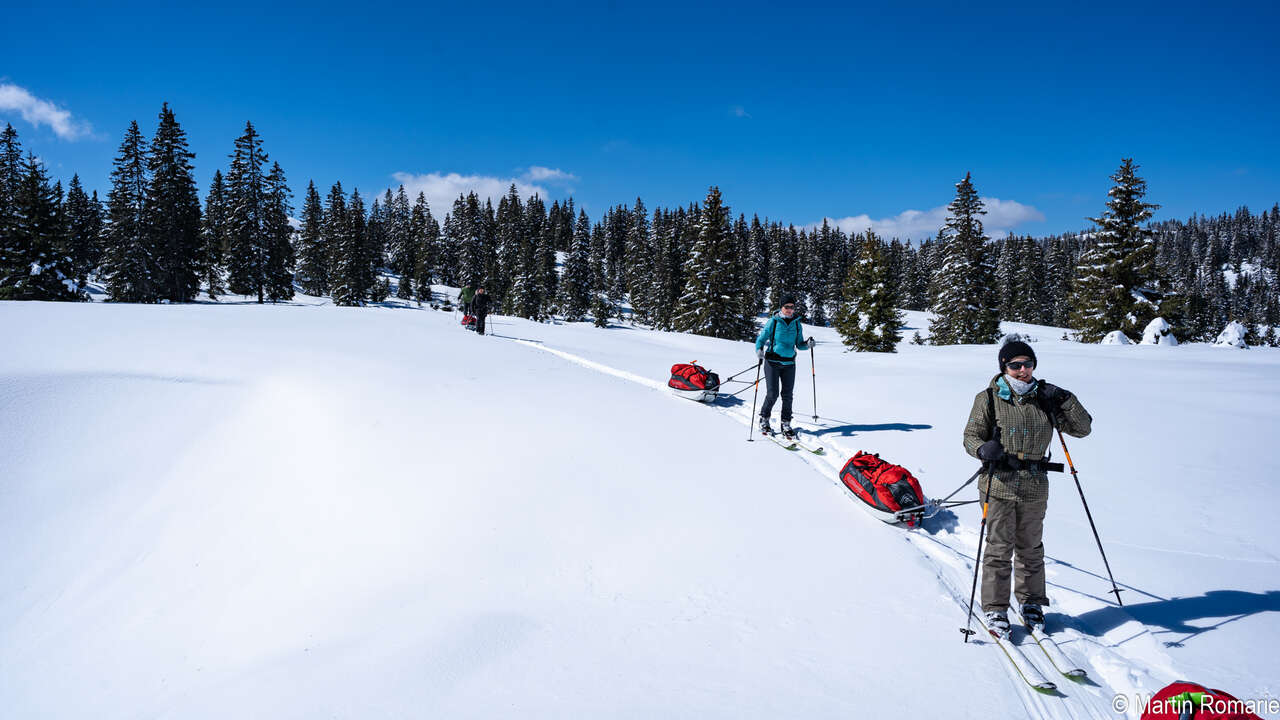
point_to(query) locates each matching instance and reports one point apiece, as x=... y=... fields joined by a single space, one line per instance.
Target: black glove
x=991 y=451
x=810 y=343
x=1053 y=397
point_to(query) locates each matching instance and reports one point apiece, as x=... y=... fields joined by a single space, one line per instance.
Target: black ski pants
x=776 y=374
x=480 y=316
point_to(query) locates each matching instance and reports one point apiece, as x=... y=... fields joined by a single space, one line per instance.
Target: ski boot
x=764 y=426
x=998 y=624
x=787 y=432
x=1033 y=617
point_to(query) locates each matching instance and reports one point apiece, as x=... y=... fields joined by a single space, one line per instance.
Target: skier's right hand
x=760 y=353
x=991 y=451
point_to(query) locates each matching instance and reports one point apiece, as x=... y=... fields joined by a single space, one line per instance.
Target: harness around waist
x=1016 y=462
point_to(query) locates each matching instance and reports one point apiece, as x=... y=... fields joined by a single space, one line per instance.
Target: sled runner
x=694 y=382
x=889 y=491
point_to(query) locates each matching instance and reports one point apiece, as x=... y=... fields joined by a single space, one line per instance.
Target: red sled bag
x=468 y=320
x=1188 y=701
x=884 y=486
x=694 y=382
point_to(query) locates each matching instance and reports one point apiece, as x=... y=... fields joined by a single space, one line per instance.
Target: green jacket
x=1025 y=432
x=466 y=294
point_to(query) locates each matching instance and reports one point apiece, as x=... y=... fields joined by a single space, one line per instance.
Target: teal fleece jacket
x=783 y=337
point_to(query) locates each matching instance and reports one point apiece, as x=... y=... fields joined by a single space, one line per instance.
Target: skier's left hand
x=810 y=343
x=1054 y=396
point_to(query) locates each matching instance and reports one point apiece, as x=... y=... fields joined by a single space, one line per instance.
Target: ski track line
x=1083 y=701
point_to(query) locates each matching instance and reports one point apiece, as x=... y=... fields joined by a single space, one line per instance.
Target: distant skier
x=1010 y=427
x=776 y=345
x=480 y=308
x=465 y=297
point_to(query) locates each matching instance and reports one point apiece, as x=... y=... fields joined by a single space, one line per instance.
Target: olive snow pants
x=1014 y=529
x=774 y=375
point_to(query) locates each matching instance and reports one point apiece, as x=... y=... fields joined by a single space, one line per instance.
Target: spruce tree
x=129 y=262
x=248 y=235
x=1118 y=285
x=213 y=236
x=344 y=251
x=403 y=245
x=172 y=211
x=639 y=263
x=313 y=251
x=280 y=255
x=83 y=218
x=964 y=308
x=36 y=266
x=575 y=286
x=712 y=303
x=423 y=232
x=867 y=319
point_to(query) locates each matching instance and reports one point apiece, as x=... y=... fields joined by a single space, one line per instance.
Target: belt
x=1020 y=462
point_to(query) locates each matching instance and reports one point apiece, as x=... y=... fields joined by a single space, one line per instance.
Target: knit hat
x=788 y=300
x=1013 y=349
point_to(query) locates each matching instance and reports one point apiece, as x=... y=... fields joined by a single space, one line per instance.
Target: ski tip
x=1046 y=687
x=1077 y=674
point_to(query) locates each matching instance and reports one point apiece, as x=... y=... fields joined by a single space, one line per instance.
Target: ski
x=783 y=442
x=815 y=449
x=1023 y=665
x=1044 y=642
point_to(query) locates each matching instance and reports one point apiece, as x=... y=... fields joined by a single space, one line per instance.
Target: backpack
x=694 y=382
x=884 y=486
x=1188 y=701
x=468 y=321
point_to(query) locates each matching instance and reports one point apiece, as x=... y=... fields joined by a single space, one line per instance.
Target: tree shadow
x=1175 y=615
x=728 y=401
x=850 y=429
x=944 y=521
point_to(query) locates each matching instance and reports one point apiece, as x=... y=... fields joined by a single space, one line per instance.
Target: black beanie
x=1013 y=349
x=787 y=300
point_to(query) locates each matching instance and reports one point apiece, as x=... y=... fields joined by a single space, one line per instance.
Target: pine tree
x=404 y=247
x=83 y=218
x=575 y=286
x=964 y=308
x=344 y=251
x=247 y=233
x=129 y=263
x=639 y=263
x=10 y=180
x=280 y=255
x=1118 y=287
x=172 y=211
x=1057 y=285
x=35 y=264
x=867 y=319
x=313 y=251
x=784 y=276
x=717 y=279
x=213 y=236
x=426 y=232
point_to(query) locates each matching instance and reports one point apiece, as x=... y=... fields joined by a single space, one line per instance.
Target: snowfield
x=300 y=511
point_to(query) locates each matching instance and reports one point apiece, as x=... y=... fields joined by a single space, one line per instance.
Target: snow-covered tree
x=964 y=308
x=868 y=319
x=172 y=211
x=716 y=298
x=129 y=264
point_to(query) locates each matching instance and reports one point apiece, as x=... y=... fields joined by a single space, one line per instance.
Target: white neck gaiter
x=1017 y=386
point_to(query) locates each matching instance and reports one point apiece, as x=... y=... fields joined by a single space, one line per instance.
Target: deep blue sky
x=797 y=112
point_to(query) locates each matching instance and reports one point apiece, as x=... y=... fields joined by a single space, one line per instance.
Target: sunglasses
x=1016 y=365
x=788 y=307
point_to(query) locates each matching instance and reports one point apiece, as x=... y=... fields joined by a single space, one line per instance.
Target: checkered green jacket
x=1025 y=432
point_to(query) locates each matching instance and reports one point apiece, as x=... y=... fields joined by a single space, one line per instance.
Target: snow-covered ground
x=300 y=511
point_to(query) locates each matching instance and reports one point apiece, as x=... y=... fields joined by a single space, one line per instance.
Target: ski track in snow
x=1110 y=672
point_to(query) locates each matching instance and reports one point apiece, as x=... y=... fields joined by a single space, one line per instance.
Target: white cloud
x=1002 y=216
x=537 y=173
x=739 y=111
x=42 y=112
x=442 y=189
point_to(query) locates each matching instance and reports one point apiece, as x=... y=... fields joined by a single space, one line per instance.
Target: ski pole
x=750 y=430
x=1114 y=590
x=814 y=371
x=977 y=563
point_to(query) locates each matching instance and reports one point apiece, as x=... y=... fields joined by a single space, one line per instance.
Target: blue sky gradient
x=798 y=112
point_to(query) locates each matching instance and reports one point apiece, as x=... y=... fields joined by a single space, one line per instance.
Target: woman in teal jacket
x=776 y=347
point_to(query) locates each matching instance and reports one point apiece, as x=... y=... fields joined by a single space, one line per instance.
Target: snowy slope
x=246 y=511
